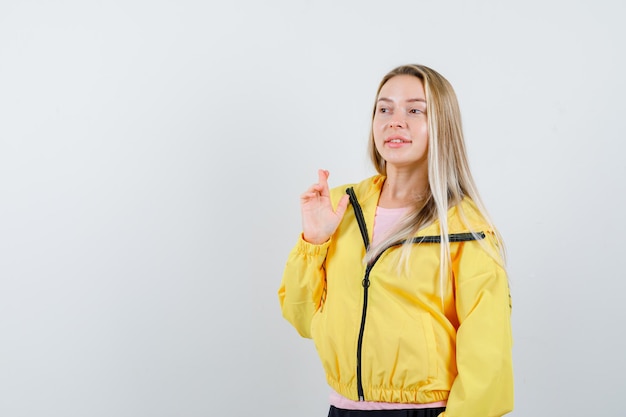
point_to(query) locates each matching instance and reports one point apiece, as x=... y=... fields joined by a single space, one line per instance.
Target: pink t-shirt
x=384 y=221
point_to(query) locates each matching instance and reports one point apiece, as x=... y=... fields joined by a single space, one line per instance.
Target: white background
x=151 y=158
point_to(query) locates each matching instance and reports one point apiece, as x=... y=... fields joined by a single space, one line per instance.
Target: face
x=400 y=125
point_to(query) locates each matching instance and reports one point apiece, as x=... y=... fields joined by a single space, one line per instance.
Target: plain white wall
x=151 y=158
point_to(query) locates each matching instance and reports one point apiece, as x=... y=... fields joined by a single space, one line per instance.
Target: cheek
x=378 y=127
x=378 y=139
x=421 y=129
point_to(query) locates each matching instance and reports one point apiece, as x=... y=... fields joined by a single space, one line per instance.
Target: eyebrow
x=411 y=100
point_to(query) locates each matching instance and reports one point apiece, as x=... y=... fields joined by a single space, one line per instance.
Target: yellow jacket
x=384 y=334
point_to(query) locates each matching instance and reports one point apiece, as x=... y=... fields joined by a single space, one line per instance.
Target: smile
x=397 y=140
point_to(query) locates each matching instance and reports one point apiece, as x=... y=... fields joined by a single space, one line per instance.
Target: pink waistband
x=340 y=401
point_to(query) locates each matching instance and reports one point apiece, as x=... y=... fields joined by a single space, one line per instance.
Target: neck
x=403 y=189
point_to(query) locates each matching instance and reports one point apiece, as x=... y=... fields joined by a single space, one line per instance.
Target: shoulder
x=464 y=217
x=467 y=217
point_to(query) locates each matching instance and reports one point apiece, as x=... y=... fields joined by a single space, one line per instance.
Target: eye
x=383 y=110
x=416 y=111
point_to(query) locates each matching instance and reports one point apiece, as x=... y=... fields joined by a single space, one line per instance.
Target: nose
x=397 y=121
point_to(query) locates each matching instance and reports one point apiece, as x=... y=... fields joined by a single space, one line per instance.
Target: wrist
x=314 y=240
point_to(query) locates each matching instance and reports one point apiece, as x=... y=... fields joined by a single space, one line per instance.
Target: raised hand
x=319 y=219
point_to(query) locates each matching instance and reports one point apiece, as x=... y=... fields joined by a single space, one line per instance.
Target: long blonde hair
x=449 y=176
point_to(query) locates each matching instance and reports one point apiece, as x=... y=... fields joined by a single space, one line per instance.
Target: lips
x=397 y=140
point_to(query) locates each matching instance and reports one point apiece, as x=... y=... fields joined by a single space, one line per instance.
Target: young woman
x=400 y=279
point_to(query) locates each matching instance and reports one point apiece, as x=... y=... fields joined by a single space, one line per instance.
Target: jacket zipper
x=359 y=380
x=358 y=212
x=454 y=237
x=359 y=217
x=359 y=349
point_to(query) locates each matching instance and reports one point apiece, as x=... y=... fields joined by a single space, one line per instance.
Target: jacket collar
x=462 y=218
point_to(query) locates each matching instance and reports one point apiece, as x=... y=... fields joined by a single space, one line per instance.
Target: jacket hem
x=389 y=395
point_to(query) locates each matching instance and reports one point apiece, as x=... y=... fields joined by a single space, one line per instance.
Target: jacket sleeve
x=303 y=286
x=483 y=386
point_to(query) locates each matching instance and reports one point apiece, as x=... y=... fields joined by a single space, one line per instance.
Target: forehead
x=402 y=87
